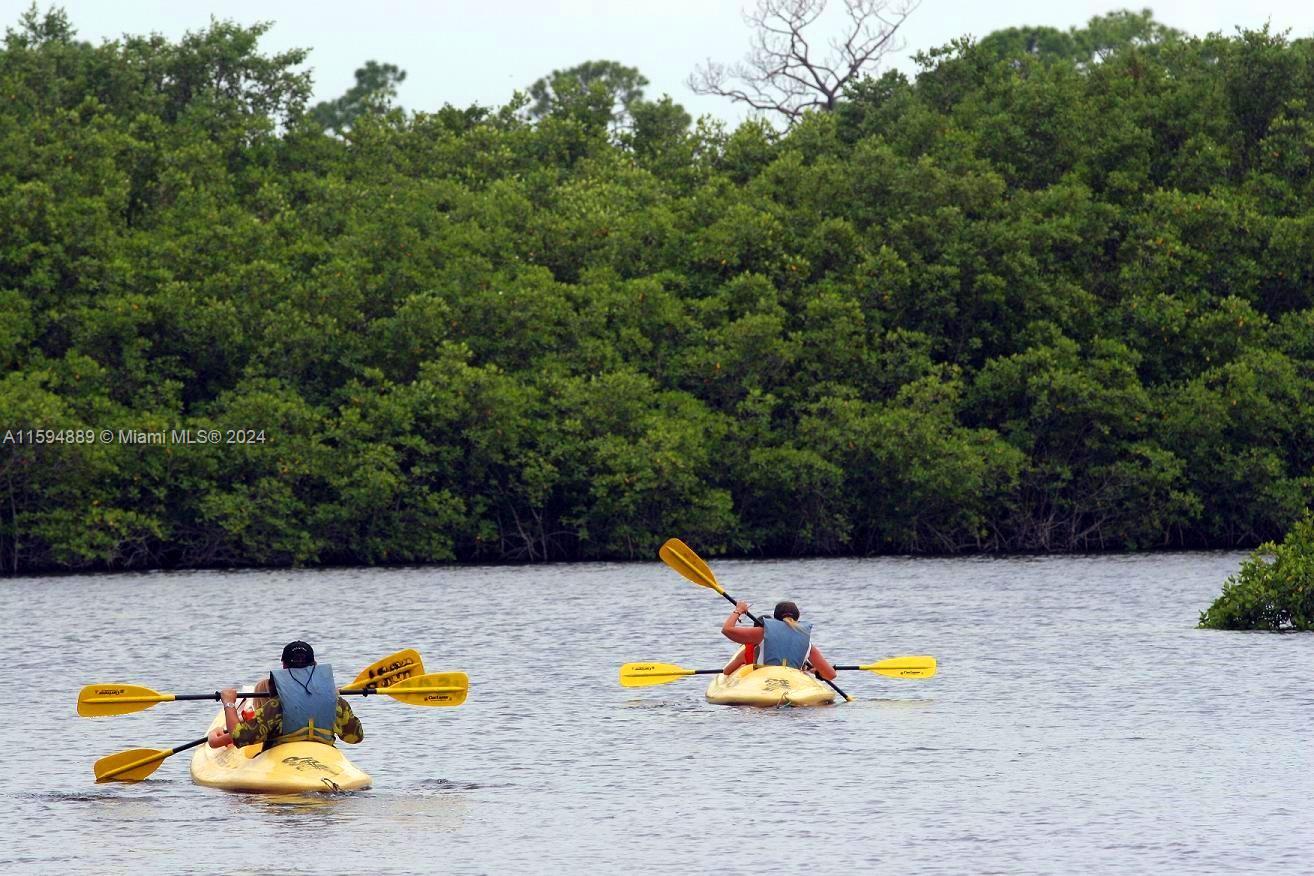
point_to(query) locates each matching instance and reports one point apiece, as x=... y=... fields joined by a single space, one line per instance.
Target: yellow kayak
x=768 y=686
x=290 y=768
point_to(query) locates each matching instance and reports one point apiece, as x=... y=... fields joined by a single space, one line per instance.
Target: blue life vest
x=784 y=644
x=310 y=703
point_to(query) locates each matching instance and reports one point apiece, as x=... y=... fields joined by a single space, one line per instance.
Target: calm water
x=1079 y=724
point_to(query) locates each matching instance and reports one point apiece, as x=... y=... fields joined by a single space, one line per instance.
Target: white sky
x=479 y=52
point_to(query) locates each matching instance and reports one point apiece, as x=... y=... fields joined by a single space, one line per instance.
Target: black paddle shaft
x=249 y=695
x=215 y=696
x=757 y=621
x=192 y=744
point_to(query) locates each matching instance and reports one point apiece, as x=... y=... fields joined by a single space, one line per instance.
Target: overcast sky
x=479 y=52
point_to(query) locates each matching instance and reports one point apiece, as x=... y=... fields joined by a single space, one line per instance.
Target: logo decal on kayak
x=309 y=763
x=776 y=684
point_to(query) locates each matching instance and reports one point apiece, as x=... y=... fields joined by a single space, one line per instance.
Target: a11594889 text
x=163 y=437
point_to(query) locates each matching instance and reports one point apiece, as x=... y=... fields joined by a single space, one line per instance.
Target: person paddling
x=303 y=706
x=782 y=640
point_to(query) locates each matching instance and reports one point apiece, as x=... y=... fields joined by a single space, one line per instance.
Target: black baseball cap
x=297 y=654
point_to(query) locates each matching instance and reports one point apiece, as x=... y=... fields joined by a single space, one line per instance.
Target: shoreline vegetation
x=1274 y=590
x=1053 y=293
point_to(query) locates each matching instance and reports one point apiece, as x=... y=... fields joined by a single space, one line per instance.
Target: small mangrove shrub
x=1274 y=589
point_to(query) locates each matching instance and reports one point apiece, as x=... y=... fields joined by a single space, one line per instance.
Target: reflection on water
x=880 y=703
x=293 y=803
x=432 y=812
x=1079 y=723
x=448 y=785
x=414 y=809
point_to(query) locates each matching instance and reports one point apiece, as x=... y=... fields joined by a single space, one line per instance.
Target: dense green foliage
x=1274 y=589
x=1103 y=35
x=1019 y=303
x=608 y=88
x=374 y=91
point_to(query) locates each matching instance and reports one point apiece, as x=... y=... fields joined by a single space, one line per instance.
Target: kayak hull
x=768 y=686
x=290 y=768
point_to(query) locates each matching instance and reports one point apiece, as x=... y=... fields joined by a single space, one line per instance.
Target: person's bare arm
x=742 y=635
x=222 y=738
x=820 y=665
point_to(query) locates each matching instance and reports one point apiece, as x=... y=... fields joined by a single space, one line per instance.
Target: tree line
x=1055 y=292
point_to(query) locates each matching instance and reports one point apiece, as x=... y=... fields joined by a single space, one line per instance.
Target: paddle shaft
x=711 y=671
x=758 y=622
x=248 y=695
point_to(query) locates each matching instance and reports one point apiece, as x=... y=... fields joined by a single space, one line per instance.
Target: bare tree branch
x=781 y=74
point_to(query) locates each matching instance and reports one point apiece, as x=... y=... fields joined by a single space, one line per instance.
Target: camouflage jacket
x=267 y=725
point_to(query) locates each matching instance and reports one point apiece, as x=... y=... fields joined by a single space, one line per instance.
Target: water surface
x=1079 y=723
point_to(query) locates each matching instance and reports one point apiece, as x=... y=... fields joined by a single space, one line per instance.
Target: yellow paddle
x=390 y=670
x=683 y=559
x=98 y=700
x=921 y=666
x=137 y=763
x=430 y=689
x=648 y=674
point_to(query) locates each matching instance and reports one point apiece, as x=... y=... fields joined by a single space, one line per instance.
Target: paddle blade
x=390 y=670
x=433 y=689
x=682 y=558
x=98 y=700
x=130 y=766
x=903 y=667
x=647 y=674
